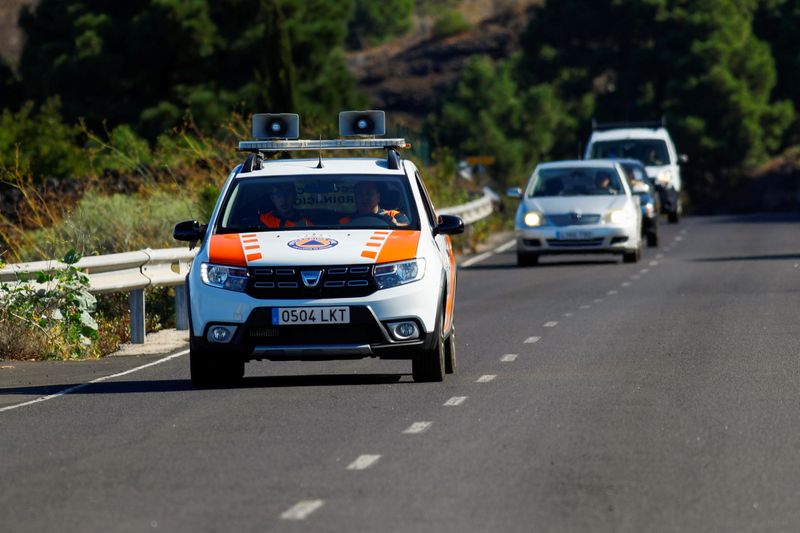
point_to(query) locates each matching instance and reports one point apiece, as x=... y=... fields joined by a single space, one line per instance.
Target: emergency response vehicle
x=322 y=258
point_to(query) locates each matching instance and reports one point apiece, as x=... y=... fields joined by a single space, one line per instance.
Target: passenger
x=284 y=215
x=368 y=199
x=603 y=183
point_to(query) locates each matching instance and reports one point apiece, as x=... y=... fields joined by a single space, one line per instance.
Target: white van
x=650 y=143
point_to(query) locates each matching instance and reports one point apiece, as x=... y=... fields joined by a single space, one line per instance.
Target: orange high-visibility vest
x=273 y=221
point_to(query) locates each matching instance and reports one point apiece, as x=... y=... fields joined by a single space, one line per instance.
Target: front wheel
x=673 y=217
x=429 y=365
x=524 y=260
x=652 y=239
x=450 y=352
x=632 y=256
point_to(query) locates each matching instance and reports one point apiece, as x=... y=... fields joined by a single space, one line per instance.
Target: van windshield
x=340 y=201
x=651 y=152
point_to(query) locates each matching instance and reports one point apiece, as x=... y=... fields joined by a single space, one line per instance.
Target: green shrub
x=450 y=22
x=110 y=224
x=50 y=319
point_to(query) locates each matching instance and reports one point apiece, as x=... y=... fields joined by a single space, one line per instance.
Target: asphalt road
x=658 y=396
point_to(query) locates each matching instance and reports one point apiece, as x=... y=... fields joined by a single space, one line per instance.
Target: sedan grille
x=573 y=219
x=341 y=281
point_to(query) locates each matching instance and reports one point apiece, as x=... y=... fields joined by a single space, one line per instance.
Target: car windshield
x=651 y=152
x=327 y=202
x=582 y=181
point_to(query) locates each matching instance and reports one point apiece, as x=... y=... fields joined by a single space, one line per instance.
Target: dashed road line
x=597 y=300
x=568 y=314
x=417 y=427
x=625 y=284
x=532 y=340
x=611 y=293
x=455 y=400
x=653 y=263
x=509 y=357
x=678 y=238
x=586 y=307
x=550 y=324
x=636 y=276
x=644 y=270
x=301 y=510
x=363 y=462
x=486 y=378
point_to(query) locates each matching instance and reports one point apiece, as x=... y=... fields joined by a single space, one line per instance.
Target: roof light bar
x=333 y=144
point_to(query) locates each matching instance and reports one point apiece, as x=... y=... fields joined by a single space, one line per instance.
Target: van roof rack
x=649 y=124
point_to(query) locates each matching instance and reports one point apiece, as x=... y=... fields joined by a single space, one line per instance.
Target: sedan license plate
x=310 y=315
x=574 y=235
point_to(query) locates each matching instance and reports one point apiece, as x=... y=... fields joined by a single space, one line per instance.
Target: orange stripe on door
x=226 y=250
x=401 y=245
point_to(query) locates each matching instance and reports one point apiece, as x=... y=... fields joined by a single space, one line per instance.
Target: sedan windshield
x=326 y=202
x=575 y=182
x=651 y=152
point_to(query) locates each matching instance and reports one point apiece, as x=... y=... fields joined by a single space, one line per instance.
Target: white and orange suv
x=323 y=258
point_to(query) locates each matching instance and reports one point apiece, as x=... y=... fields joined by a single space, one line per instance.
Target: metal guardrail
x=137 y=271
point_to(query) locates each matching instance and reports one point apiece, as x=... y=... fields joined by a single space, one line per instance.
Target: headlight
x=618 y=216
x=394 y=274
x=224 y=277
x=533 y=219
x=664 y=177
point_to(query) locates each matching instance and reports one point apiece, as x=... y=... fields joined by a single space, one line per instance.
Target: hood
x=568 y=204
x=313 y=248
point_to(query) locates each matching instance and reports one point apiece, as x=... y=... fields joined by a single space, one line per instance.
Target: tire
x=210 y=370
x=673 y=217
x=525 y=260
x=632 y=256
x=450 y=362
x=428 y=365
x=652 y=239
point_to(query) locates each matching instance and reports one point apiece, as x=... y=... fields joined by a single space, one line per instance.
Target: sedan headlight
x=533 y=219
x=393 y=274
x=224 y=277
x=664 y=177
x=618 y=216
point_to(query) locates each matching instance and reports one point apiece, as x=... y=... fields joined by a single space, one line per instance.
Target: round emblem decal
x=313 y=243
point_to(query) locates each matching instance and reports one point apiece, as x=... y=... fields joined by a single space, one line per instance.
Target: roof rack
x=649 y=124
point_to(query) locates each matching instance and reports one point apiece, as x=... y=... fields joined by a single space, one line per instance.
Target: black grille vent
x=341 y=281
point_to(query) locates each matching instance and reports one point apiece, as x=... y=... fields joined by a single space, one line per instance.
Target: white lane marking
x=486 y=378
x=417 y=427
x=612 y=293
x=586 y=306
x=678 y=238
x=455 y=400
x=597 y=300
x=363 y=462
x=683 y=232
x=486 y=255
x=507 y=358
x=568 y=314
x=635 y=276
x=531 y=340
x=659 y=256
x=98 y=380
x=653 y=263
x=301 y=510
x=551 y=324
x=626 y=284
x=644 y=270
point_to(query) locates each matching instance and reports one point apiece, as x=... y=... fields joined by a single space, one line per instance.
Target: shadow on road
x=182 y=385
x=546 y=264
x=759 y=218
x=774 y=257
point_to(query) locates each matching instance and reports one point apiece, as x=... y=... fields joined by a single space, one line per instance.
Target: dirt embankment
x=407 y=76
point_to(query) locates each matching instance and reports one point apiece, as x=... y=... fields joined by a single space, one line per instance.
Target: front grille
x=362 y=329
x=575 y=243
x=341 y=281
x=573 y=219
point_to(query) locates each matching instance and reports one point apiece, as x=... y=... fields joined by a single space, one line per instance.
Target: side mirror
x=449 y=225
x=683 y=158
x=514 y=192
x=189 y=231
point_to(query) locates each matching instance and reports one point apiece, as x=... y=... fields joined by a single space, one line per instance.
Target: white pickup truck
x=650 y=143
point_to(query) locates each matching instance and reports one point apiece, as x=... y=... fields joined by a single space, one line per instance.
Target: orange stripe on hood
x=400 y=245
x=226 y=250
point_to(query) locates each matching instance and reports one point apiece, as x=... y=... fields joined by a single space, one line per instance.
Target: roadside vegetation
x=119 y=120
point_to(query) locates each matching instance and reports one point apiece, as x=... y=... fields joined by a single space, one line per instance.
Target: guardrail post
x=136 y=299
x=181 y=309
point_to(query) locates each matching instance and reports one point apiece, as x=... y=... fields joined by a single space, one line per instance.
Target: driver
x=368 y=199
x=603 y=182
x=284 y=215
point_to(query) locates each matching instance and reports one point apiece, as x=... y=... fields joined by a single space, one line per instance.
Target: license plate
x=310 y=315
x=574 y=235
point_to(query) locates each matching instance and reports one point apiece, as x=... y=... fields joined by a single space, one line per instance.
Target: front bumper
x=586 y=239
